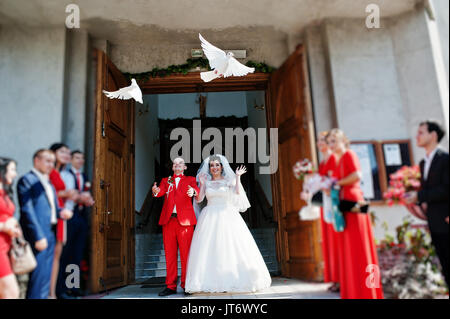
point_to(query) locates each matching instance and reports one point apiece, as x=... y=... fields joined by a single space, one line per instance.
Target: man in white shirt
x=38 y=217
x=433 y=195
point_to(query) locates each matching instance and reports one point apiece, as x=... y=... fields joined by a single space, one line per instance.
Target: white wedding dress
x=224 y=256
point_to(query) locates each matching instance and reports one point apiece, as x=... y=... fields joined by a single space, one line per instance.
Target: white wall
x=365 y=82
x=31 y=86
x=322 y=99
x=76 y=86
x=441 y=11
x=417 y=77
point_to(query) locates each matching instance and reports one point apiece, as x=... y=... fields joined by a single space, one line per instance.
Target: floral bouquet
x=409 y=267
x=303 y=168
x=406 y=179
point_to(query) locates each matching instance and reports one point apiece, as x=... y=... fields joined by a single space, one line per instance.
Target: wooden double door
x=287 y=108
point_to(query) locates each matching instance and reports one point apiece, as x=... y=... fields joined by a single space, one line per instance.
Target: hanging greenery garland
x=191 y=64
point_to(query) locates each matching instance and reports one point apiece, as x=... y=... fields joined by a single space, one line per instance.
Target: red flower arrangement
x=406 y=179
x=302 y=168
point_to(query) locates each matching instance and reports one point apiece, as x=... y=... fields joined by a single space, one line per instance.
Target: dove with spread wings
x=222 y=64
x=126 y=93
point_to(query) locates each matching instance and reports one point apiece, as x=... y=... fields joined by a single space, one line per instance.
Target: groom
x=177 y=220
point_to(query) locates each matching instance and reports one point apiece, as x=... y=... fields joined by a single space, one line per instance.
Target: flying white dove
x=126 y=93
x=222 y=64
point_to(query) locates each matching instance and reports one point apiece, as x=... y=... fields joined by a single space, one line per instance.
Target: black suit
x=77 y=233
x=435 y=193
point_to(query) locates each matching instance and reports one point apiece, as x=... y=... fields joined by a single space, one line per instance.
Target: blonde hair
x=340 y=136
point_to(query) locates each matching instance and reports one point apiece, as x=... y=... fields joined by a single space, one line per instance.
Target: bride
x=223 y=256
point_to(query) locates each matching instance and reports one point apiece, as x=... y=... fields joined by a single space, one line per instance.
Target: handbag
x=21 y=256
x=309 y=212
x=317 y=199
x=354 y=207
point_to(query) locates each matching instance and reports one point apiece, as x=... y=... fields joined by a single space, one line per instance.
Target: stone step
x=161 y=272
x=154 y=265
x=160 y=245
x=160 y=260
x=150 y=273
x=151 y=262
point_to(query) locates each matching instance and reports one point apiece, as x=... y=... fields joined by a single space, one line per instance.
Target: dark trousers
x=39 y=279
x=73 y=251
x=440 y=242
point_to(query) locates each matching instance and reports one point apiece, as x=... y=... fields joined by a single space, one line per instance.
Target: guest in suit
x=9 y=228
x=358 y=261
x=77 y=226
x=434 y=192
x=39 y=213
x=65 y=200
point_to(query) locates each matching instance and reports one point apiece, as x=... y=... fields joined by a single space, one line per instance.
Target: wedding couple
x=220 y=255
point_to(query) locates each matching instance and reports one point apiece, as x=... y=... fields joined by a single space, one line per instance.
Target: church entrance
x=133 y=150
x=218 y=112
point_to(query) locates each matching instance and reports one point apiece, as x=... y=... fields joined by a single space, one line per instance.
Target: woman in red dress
x=329 y=253
x=359 y=274
x=63 y=157
x=9 y=228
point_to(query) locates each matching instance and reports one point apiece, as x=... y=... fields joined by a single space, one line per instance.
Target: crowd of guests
x=54 y=197
x=350 y=256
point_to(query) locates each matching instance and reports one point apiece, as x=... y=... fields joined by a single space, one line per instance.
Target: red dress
x=329 y=253
x=6 y=211
x=359 y=272
x=58 y=184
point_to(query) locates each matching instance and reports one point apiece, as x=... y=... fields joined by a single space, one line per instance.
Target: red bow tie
x=175 y=176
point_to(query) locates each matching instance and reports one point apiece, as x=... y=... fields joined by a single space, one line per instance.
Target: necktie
x=79 y=181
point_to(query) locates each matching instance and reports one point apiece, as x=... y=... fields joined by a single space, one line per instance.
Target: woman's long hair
x=55 y=147
x=4 y=162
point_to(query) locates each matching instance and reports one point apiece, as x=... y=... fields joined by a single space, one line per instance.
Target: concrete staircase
x=151 y=262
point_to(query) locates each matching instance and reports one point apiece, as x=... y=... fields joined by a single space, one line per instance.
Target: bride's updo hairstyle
x=213 y=158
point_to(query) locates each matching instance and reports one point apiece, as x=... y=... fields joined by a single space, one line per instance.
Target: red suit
x=177 y=231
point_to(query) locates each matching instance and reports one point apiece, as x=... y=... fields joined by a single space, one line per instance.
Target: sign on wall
x=379 y=159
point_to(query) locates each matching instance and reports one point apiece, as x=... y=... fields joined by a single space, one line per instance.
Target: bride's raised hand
x=241 y=170
x=202 y=178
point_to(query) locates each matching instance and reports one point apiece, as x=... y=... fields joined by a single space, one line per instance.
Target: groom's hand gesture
x=191 y=192
x=155 y=189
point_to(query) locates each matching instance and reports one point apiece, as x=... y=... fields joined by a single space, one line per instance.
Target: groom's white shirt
x=177 y=179
x=45 y=181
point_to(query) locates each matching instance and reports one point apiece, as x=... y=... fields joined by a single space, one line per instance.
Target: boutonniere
x=170 y=182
